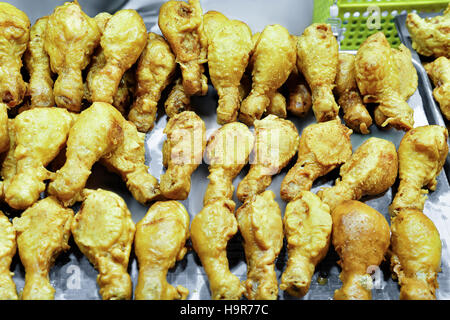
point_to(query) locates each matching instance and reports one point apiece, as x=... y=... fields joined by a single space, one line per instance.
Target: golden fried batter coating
x=277 y=106
x=69 y=40
x=155 y=70
x=43 y=232
x=229 y=46
x=421 y=155
x=128 y=160
x=415 y=255
x=317 y=59
x=322 y=147
x=406 y=71
x=104 y=232
x=177 y=100
x=159 y=243
x=122 y=42
x=37 y=64
x=9 y=163
x=182 y=153
x=371 y=170
x=261 y=226
x=430 y=36
x=272 y=61
x=40 y=134
x=227 y=152
x=356 y=115
x=7 y=252
x=101 y=19
x=123 y=96
x=14 y=36
x=211 y=229
x=181 y=23
x=439 y=73
x=361 y=237
x=96 y=133
x=4 y=135
x=307 y=227
x=276 y=142
x=378 y=80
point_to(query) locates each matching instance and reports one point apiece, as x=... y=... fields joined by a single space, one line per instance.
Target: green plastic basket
x=353 y=15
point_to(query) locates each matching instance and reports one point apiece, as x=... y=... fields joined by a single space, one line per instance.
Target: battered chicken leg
x=182 y=153
x=272 y=61
x=181 y=23
x=7 y=252
x=378 y=80
x=122 y=42
x=261 y=226
x=211 y=229
x=322 y=147
x=361 y=237
x=371 y=170
x=123 y=96
x=317 y=59
x=69 y=40
x=155 y=70
x=43 y=232
x=40 y=134
x=430 y=36
x=422 y=153
x=415 y=241
x=14 y=36
x=128 y=161
x=307 y=226
x=356 y=115
x=37 y=64
x=276 y=143
x=227 y=152
x=439 y=73
x=104 y=232
x=96 y=132
x=160 y=242
x=229 y=46
x=415 y=254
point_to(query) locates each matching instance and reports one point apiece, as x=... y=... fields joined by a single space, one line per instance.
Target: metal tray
x=75 y=278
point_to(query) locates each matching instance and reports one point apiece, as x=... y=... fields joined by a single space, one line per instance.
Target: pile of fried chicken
x=91 y=93
x=431 y=38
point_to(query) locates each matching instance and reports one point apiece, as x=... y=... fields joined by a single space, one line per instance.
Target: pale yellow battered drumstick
x=307 y=227
x=261 y=226
x=96 y=133
x=160 y=242
x=43 y=232
x=40 y=134
x=69 y=40
x=37 y=63
x=14 y=36
x=104 y=232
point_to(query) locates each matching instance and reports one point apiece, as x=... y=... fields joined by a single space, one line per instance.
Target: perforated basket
x=353 y=15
